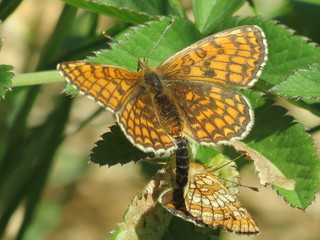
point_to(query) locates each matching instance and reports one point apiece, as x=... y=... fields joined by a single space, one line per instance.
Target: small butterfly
x=206 y=202
x=188 y=95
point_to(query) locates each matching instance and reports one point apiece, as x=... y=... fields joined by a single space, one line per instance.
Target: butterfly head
x=142 y=64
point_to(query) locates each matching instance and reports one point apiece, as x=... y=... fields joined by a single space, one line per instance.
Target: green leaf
x=203 y=154
x=303 y=84
x=70 y=90
x=255 y=98
x=5 y=79
x=209 y=14
x=142 y=39
x=133 y=11
x=284 y=155
x=115 y=148
x=150 y=7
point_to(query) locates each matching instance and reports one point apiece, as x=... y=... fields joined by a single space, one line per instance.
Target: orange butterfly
x=188 y=95
x=207 y=203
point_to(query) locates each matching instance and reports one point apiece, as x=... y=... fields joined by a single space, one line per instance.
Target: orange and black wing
x=234 y=57
x=119 y=90
x=210 y=203
x=139 y=121
x=207 y=203
x=110 y=86
x=211 y=113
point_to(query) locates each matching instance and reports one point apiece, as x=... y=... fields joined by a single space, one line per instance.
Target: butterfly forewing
x=233 y=57
x=108 y=85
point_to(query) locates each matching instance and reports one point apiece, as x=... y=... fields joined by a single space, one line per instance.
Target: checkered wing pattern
x=212 y=113
x=139 y=121
x=207 y=203
x=234 y=57
x=210 y=203
x=110 y=86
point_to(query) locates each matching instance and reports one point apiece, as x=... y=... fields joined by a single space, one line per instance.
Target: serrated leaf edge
x=267 y=172
x=122 y=8
x=274 y=89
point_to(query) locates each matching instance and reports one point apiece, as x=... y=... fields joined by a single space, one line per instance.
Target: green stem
x=35 y=78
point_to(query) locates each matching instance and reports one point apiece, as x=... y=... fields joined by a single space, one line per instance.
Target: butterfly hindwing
x=212 y=113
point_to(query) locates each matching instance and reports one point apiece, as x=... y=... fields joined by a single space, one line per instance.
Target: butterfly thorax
x=162 y=100
x=152 y=80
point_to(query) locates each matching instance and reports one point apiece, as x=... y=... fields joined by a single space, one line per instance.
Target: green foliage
x=303 y=84
x=134 y=11
x=210 y=14
x=290 y=150
x=141 y=40
x=110 y=144
x=282 y=149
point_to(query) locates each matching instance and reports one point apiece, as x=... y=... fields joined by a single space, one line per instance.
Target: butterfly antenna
x=233 y=160
x=239 y=184
x=160 y=38
x=120 y=44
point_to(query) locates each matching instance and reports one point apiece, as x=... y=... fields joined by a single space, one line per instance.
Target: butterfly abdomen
x=182 y=162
